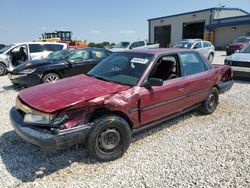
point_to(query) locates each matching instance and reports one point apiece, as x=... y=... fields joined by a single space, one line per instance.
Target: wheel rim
x=109 y=140
x=211 y=101
x=52 y=78
x=1 y=69
x=210 y=58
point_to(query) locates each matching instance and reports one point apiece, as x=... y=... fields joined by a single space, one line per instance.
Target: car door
x=77 y=62
x=160 y=101
x=197 y=78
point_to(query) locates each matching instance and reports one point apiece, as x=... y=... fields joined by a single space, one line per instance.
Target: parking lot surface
x=192 y=150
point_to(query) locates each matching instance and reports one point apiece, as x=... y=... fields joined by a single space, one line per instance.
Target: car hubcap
x=1 y=69
x=210 y=58
x=211 y=101
x=52 y=78
x=109 y=139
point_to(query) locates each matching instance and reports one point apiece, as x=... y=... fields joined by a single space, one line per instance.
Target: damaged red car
x=126 y=92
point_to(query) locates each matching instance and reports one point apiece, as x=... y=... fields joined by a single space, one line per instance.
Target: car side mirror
x=152 y=82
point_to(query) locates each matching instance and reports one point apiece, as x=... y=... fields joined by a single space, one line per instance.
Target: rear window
x=192 y=63
x=36 y=48
x=53 y=47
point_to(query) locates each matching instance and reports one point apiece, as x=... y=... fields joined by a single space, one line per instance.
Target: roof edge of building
x=197 y=11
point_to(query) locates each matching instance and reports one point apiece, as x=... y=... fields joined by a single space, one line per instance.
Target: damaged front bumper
x=46 y=139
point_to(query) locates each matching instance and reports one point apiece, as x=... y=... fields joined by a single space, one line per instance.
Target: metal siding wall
x=225 y=35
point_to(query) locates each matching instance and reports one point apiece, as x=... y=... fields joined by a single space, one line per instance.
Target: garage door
x=163 y=35
x=193 y=30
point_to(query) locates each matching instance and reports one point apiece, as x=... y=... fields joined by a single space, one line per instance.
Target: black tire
x=210 y=104
x=50 y=77
x=3 y=69
x=109 y=138
x=211 y=57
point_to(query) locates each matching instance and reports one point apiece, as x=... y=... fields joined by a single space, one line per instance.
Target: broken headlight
x=37 y=119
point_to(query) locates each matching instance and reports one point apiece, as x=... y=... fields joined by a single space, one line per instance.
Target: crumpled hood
x=244 y=57
x=55 y=96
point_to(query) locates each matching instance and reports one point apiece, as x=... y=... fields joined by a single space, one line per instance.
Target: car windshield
x=59 y=54
x=122 y=68
x=122 y=45
x=246 y=49
x=242 y=40
x=184 y=44
x=5 y=48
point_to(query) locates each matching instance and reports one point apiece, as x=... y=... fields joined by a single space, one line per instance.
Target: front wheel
x=50 y=77
x=109 y=138
x=3 y=69
x=210 y=104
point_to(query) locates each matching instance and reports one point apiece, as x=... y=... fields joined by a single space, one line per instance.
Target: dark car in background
x=65 y=63
x=237 y=44
x=240 y=63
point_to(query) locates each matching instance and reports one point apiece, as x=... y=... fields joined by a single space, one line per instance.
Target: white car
x=15 y=54
x=122 y=46
x=205 y=47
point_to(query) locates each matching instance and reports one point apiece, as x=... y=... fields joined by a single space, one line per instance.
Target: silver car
x=205 y=47
x=240 y=63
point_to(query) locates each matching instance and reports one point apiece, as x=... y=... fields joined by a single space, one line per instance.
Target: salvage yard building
x=218 y=25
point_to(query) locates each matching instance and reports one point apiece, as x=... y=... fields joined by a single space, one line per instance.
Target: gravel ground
x=189 y=151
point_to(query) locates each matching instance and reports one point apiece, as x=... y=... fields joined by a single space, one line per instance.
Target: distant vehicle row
x=122 y=46
x=15 y=54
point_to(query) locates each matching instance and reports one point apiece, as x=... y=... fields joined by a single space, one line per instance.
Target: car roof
x=158 y=51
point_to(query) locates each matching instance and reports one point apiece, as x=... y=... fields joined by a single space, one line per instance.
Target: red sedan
x=125 y=92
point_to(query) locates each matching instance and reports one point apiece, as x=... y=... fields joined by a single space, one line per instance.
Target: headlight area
x=64 y=120
x=37 y=119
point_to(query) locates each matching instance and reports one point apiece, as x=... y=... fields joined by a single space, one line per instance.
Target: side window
x=78 y=56
x=192 y=63
x=166 y=68
x=209 y=44
x=197 y=45
x=53 y=47
x=141 y=43
x=205 y=44
x=36 y=48
x=96 y=54
x=133 y=45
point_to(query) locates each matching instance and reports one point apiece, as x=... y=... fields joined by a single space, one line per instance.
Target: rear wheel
x=109 y=138
x=211 y=102
x=50 y=77
x=3 y=69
